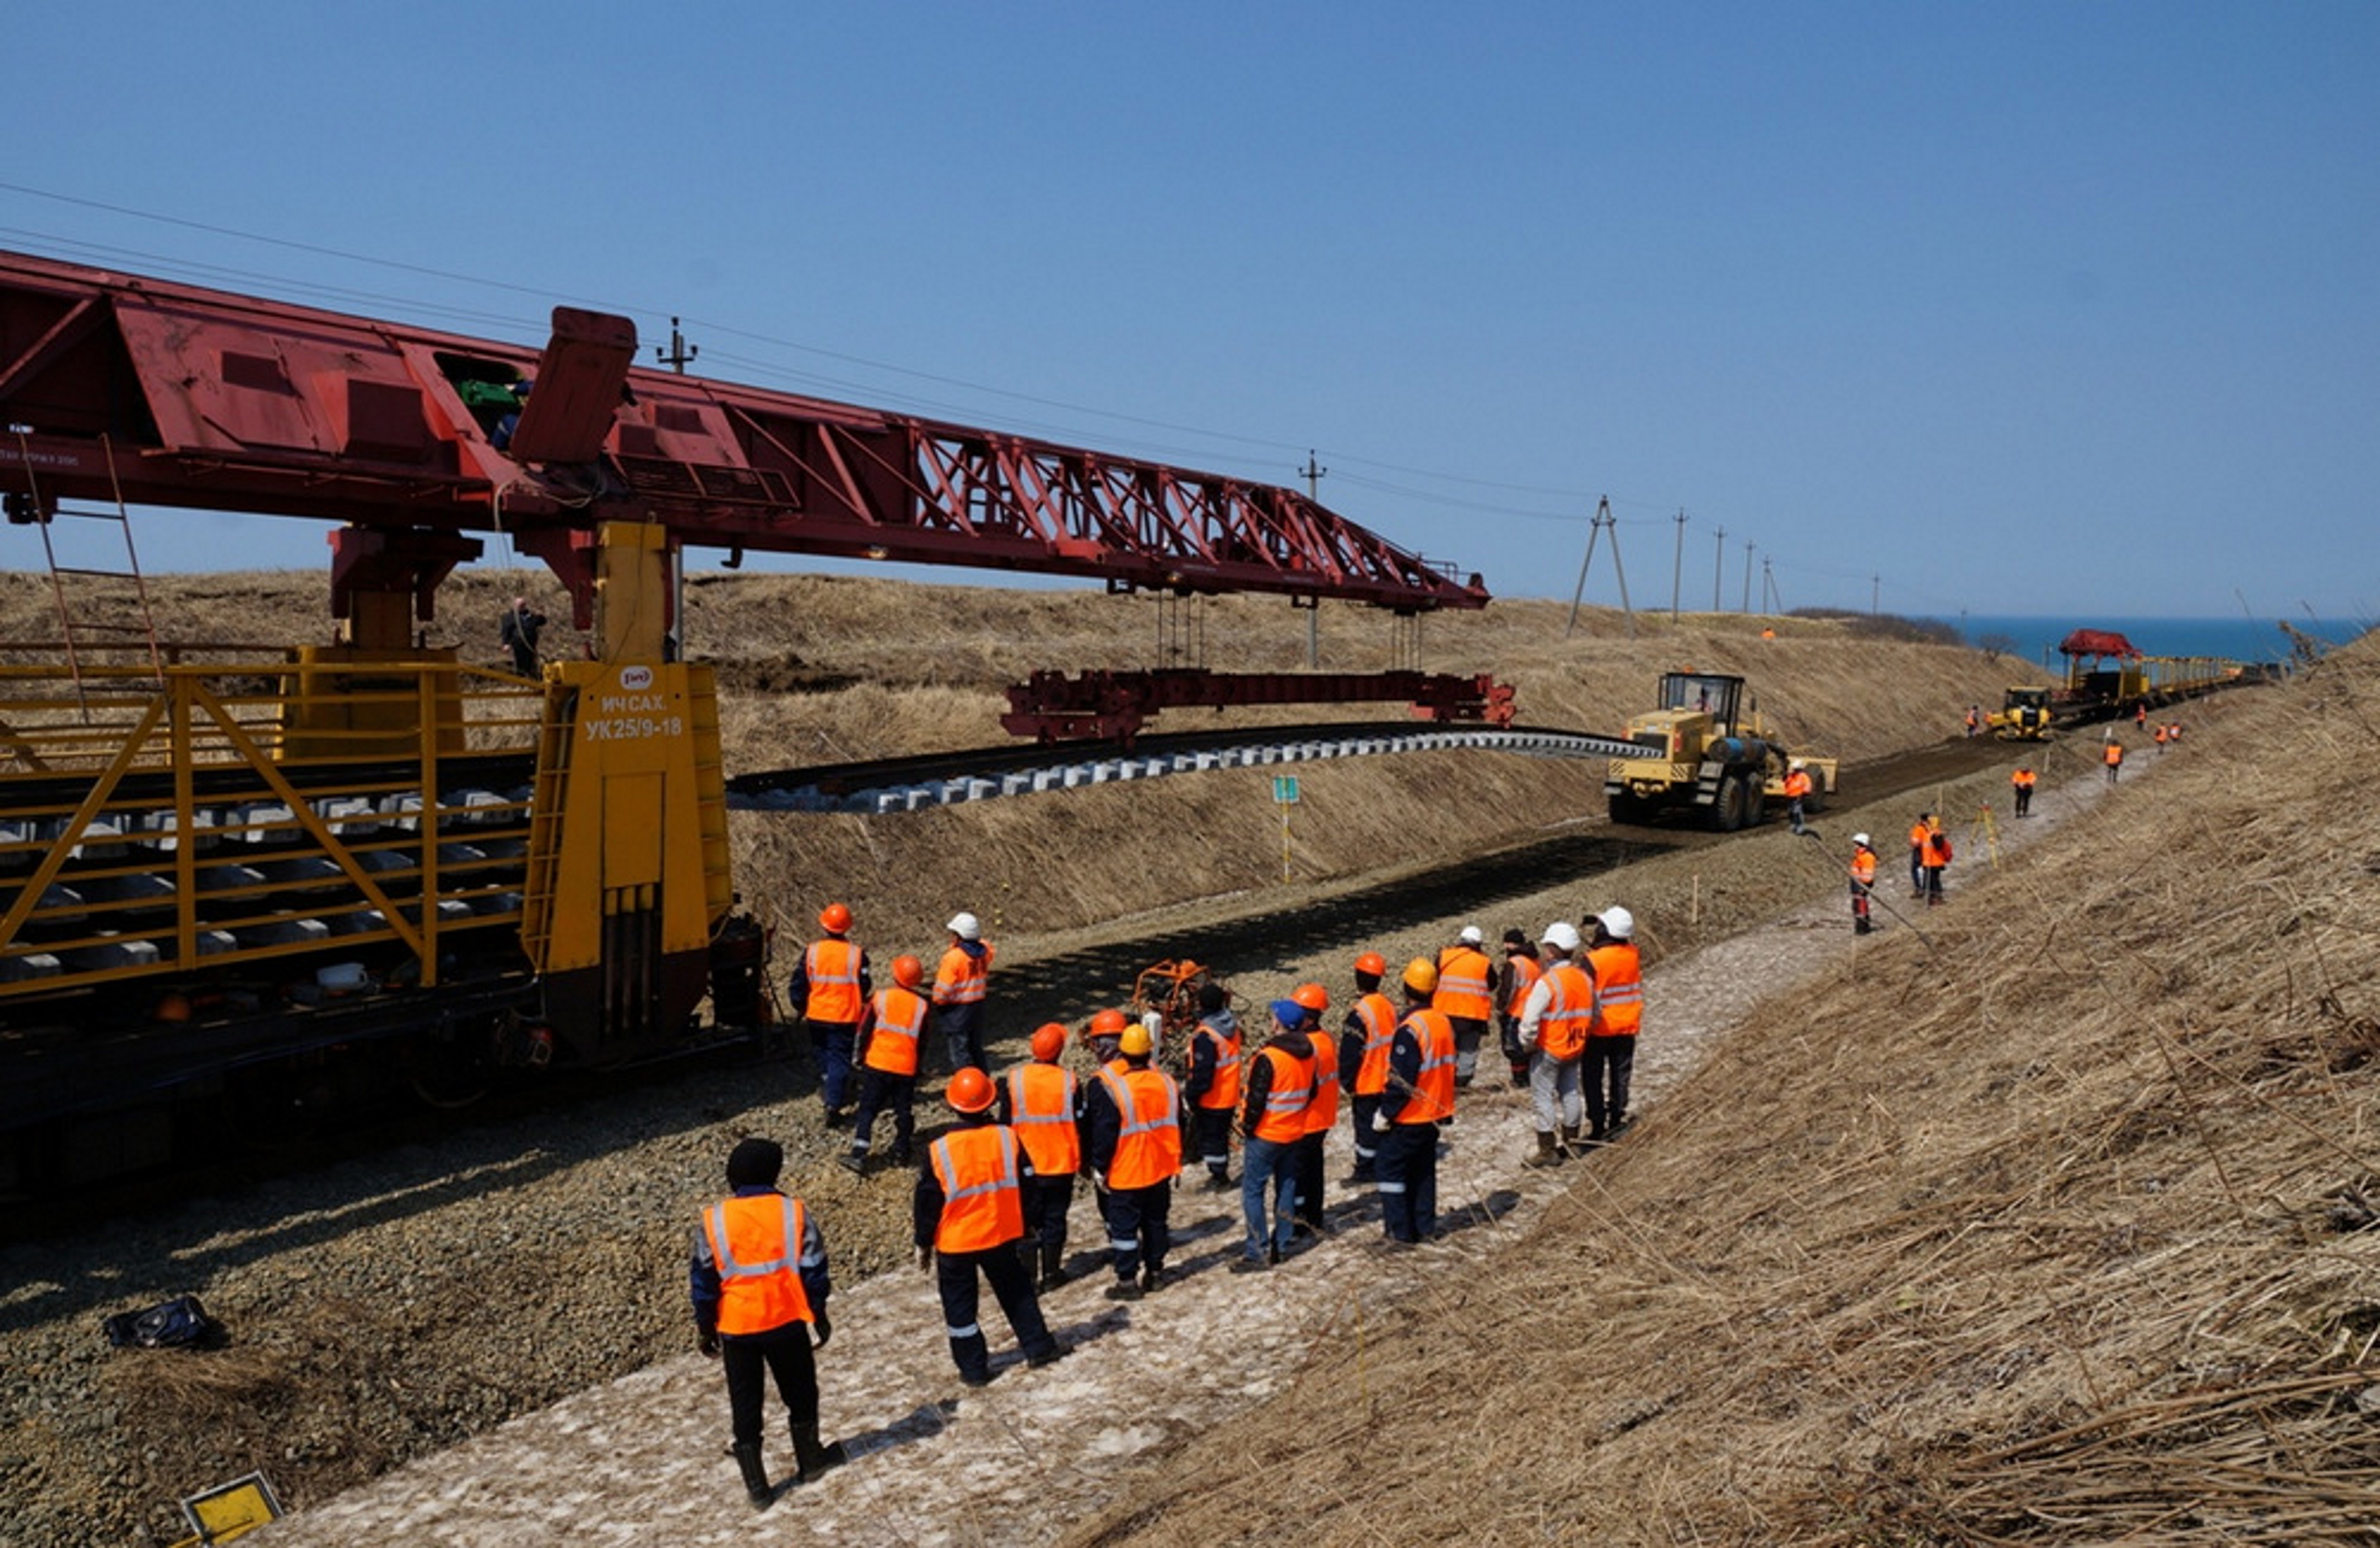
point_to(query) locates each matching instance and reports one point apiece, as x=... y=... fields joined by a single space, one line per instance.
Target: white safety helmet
x=1799 y=765
x=965 y=926
x=1562 y=935
x=1471 y=935
x=1617 y=923
x=1860 y=839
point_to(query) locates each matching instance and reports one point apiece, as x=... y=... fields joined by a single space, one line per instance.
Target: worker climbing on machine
x=1554 y=1019
x=969 y=1214
x=2022 y=783
x=517 y=630
x=1041 y=1100
x=831 y=986
x=1420 y=1095
x=1135 y=1147
x=2113 y=755
x=1211 y=1083
x=889 y=1032
x=1513 y=981
x=1797 y=790
x=1275 y=1087
x=1618 y=970
x=1321 y=1113
x=1934 y=855
x=959 y=984
x=759 y=1283
x=1363 y=1063
x=1863 y=884
x=1462 y=998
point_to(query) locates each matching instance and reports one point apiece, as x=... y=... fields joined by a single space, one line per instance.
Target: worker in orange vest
x=759 y=1284
x=831 y=986
x=1617 y=971
x=1321 y=1113
x=1518 y=976
x=1935 y=854
x=2022 y=782
x=969 y=1214
x=1211 y=1083
x=2157 y=736
x=1863 y=883
x=889 y=1032
x=1134 y=1122
x=959 y=984
x=1974 y=719
x=1102 y=1034
x=1420 y=1093
x=2113 y=755
x=1917 y=832
x=1042 y=1100
x=1797 y=789
x=1553 y=1028
x=1275 y=1087
x=1465 y=999
x=1363 y=1063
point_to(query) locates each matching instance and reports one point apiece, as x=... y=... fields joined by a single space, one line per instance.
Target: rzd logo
x=634 y=679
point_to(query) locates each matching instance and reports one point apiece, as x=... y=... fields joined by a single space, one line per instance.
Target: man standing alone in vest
x=969 y=1214
x=1420 y=1097
x=958 y=988
x=1134 y=1120
x=1613 y=963
x=1462 y=994
x=831 y=986
x=759 y=1285
x=1863 y=883
x=1275 y=1090
x=1041 y=1100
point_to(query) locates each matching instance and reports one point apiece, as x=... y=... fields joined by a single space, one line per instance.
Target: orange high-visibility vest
x=1286 y=1097
x=1917 y=836
x=982 y=1206
x=1797 y=783
x=833 y=967
x=1935 y=851
x=1562 y=1031
x=1433 y=1096
x=2115 y=754
x=756 y=1244
x=1463 y=984
x=1863 y=865
x=1322 y=1110
x=1379 y=1019
x=1148 y=1145
x=1224 y=1092
x=1041 y=1109
x=2022 y=779
x=961 y=978
x=1527 y=970
x=892 y=1044
x=1620 y=989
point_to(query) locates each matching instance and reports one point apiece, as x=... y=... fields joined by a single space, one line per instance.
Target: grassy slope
x=2034 y=1234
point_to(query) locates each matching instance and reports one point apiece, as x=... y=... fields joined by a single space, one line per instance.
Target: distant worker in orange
x=1210 y=1085
x=2022 y=783
x=1863 y=883
x=2140 y=715
x=1275 y=1087
x=1520 y=974
x=2157 y=736
x=1420 y=1097
x=1797 y=787
x=831 y=986
x=1462 y=997
x=1103 y=1034
x=1917 y=832
x=1321 y=1113
x=1041 y=1100
x=967 y=1216
x=2113 y=755
x=959 y=984
x=759 y=1284
x=1618 y=970
x=1935 y=854
x=1133 y=1127
x=1363 y=1063
x=1974 y=718
x=890 y=1031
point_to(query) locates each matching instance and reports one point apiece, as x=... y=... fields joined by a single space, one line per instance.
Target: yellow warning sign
x=229 y=1511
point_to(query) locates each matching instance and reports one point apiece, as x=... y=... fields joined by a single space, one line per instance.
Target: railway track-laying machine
x=237 y=883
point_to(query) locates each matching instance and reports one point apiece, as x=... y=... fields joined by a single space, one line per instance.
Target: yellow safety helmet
x=1421 y=976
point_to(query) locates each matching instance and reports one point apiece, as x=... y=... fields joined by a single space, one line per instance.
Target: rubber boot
x=756 y=1477
x=1054 y=1266
x=1545 y=1155
x=813 y=1458
x=1570 y=1146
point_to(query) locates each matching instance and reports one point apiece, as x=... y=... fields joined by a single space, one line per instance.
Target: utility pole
x=679 y=354
x=1747 y=575
x=1677 y=564
x=1603 y=518
x=1875 y=595
x=1718 y=569
x=1313 y=472
x=1769 y=600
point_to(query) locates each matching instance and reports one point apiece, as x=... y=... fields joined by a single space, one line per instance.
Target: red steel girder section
x=1052 y=707
x=114 y=385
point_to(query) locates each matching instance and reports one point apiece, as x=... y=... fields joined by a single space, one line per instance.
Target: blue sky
x=2019 y=307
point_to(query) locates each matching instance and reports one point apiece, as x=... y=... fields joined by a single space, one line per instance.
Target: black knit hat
x=755 y=1163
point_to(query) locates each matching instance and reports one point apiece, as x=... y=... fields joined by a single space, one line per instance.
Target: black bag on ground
x=180 y=1323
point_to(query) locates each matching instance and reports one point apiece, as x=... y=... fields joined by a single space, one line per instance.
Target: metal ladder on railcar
x=75 y=636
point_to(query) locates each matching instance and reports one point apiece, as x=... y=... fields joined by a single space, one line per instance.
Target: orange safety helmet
x=1313 y=997
x=1049 y=1041
x=1109 y=1024
x=908 y=971
x=835 y=919
x=1372 y=963
x=970 y=1092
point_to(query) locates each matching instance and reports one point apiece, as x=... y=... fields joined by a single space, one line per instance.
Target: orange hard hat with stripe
x=970 y=1091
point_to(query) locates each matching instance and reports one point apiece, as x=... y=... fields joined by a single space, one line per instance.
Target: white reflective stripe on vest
x=1016 y=1099
x=1122 y=1095
x=849 y=976
x=730 y=1269
x=1621 y=994
x=1006 y=1178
